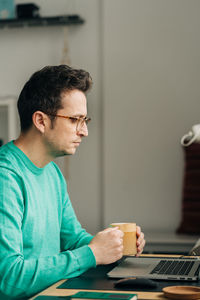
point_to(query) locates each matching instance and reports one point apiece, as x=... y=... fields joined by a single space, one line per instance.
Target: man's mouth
x=77 y=143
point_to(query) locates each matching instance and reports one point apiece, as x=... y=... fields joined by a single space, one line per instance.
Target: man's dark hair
x=43 y=91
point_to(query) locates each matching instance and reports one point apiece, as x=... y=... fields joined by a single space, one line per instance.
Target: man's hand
x=140 y=240
x=107 y=246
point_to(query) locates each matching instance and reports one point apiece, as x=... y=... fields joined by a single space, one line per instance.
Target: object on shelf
x=7 y=9
x=27 y=11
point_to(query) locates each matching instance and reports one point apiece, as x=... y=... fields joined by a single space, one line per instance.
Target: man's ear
x=40 y=120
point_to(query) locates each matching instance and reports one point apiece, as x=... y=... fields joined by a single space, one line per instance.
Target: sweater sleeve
x=20 y=278
x=72 y=234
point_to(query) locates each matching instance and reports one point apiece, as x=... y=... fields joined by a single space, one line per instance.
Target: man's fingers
x=140 y=241
x=138 y=230
x=140 y=238
x=115 y=229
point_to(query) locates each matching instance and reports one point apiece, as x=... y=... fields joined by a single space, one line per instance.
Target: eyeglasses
x=78 y=121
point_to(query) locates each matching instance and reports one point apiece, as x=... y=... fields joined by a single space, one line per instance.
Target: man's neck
x=31 y=144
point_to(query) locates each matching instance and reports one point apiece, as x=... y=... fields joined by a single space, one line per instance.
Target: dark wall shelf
x=47 y=21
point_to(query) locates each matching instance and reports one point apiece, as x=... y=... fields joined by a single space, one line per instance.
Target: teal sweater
x=41 y=240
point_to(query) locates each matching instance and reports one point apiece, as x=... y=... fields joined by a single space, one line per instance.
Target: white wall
x=144 y=59
x=151 y=98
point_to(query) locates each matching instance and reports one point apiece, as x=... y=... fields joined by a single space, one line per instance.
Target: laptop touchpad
x=137 y=266
x=132 y=267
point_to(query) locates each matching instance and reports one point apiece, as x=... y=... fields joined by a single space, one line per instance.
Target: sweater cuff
x=85 y=257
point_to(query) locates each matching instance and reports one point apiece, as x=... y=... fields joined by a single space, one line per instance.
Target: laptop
x=183 y=269
x=196 y=249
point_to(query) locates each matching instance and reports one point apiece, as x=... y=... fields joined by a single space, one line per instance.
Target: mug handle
x=192 y=137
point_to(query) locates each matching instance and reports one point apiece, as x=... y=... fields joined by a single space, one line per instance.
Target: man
x=41 y=240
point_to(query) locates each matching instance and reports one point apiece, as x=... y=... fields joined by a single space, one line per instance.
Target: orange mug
x=129 y=238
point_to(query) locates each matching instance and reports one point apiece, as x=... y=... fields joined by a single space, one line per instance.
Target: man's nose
x=83 y=131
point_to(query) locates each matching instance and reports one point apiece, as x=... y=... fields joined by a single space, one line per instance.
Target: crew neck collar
x=30 y=165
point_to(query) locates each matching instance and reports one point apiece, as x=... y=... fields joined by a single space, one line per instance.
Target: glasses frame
x=79 y=120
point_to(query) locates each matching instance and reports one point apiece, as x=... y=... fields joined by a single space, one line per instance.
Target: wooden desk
x=52 y=291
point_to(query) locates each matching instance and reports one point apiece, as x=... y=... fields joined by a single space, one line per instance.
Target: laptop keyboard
x=173 y=267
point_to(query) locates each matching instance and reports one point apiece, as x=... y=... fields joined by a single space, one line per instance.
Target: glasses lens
x=87 y=120
x=83 y=121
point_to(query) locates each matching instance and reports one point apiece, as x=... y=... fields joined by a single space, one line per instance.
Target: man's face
x=64 y=138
